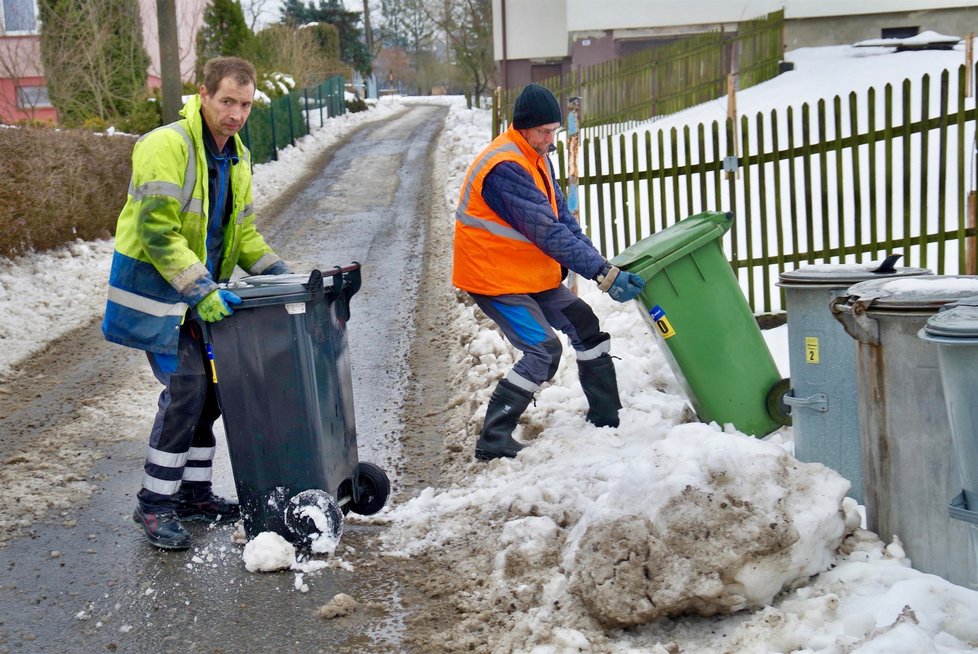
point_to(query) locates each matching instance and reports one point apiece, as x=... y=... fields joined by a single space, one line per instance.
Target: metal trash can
x=822 y=359
x=282 y=368
x=908 y=468
x=954 y=329
x=694 y=305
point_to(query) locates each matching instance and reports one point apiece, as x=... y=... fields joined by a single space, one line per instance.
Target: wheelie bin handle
x=853 y=318
x=887 y=267
x=345 y=287
x=959 y=510
x=819 y=401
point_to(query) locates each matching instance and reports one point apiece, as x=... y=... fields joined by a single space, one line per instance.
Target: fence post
x=971 y=219
x=969 y=64
x=271 y=120
x=573 y=143
x=319 y=101
x=288 y=104
x=730 y=167
x=305 y=109
x=495 y=112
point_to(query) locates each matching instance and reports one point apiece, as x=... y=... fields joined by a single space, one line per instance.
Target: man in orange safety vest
x=515 y=240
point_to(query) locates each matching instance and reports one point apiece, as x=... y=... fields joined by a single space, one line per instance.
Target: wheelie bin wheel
x=371 y=489
x=777 y=408
x=312 y=514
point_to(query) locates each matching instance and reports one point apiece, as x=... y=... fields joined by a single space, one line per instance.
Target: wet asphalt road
x=84 y=579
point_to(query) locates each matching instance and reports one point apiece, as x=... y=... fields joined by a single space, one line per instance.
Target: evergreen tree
x=223 y=34
x=93 y=57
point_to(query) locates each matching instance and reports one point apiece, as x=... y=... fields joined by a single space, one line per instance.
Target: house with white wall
x=23 y=90
x=536 y=39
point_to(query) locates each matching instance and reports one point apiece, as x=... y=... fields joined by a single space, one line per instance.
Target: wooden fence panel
x=822 y=188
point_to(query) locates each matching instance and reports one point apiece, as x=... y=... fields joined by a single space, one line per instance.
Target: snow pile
x=44 y=296
x=730 y=533
x=656 y=518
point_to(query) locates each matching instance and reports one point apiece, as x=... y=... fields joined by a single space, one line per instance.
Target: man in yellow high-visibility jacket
x=188 y=221
x=515 y=239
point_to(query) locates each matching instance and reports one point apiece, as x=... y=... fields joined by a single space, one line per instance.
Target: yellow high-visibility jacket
x=159 y=265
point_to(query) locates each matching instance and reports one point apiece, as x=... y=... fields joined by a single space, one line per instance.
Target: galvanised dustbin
x=284 y=383
x=694 y=305
x=822 y=360
x=954 y=329
x=908 y=462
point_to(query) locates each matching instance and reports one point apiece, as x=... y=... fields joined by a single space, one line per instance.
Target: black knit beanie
x=535 y=106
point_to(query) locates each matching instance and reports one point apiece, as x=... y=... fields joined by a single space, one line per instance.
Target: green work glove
x=217 y=305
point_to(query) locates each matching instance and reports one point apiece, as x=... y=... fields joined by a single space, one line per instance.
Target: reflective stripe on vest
x=144 y=304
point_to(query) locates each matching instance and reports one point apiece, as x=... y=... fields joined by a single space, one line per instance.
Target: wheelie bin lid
x=262 y=290
x=654 y=253
x=339 y=283
x=843 y=275
x=956 y=322
x=920 y=293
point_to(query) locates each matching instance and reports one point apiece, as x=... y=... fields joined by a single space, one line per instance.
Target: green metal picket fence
x=665 y=79
x=848 y=180
x=278 y=124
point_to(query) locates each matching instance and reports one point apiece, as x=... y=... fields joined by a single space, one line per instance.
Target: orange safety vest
x=492 y=258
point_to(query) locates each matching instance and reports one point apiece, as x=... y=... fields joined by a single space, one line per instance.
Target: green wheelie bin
x=694 y=305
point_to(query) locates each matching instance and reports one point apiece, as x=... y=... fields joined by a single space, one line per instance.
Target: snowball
x=268 y=552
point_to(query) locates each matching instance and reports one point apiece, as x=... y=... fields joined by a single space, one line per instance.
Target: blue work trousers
x=528 y=322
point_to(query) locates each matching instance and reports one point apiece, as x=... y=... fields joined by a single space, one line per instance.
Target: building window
x=18 y=16
x=33 y=97
x=899 y=32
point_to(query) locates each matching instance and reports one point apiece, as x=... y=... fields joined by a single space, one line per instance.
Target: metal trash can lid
x=923 y=292
x=956 y=321
x=675 y=241
x=843 y=275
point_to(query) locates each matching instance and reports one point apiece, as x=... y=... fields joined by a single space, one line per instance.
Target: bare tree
x=94 y=57
x=467 y=25
x=255 y=9
x=298 y=51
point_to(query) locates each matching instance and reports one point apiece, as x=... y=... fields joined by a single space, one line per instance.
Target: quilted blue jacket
x=509 y=191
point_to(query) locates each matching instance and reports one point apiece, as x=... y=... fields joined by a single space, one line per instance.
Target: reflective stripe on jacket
x=158 y=267
x=491 y=257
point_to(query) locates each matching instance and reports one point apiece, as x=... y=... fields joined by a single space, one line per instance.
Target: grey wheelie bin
x=694 y=305
x=284 y=384
x=954 y=329
x=822 y=358
x=908 y=460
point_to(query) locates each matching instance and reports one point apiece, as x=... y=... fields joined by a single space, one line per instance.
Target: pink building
x=23 y=91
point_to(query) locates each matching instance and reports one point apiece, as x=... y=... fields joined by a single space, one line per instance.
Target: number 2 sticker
x=811 y=349
x=661 y=322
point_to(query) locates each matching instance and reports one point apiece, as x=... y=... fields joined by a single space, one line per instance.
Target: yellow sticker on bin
x=811 y=349
x=661 y=322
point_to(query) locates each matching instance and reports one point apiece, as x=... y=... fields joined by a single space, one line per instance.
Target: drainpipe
x=505 y=61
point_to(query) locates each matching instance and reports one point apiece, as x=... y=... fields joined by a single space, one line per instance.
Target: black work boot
x=163 y=529
x=600 y=384
x=203 y=505
x=507 y=404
